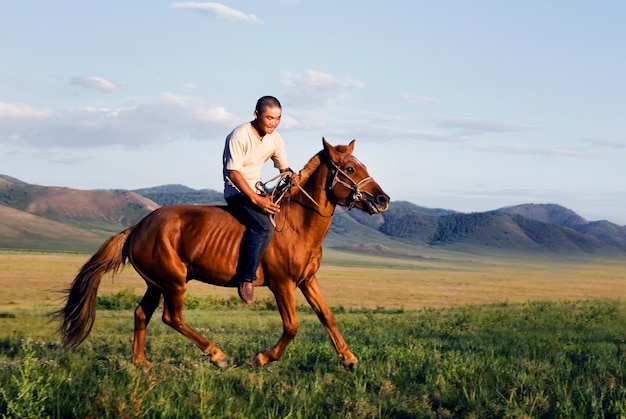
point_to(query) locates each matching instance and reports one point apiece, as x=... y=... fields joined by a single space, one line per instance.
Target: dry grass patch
x=35 y=279
x=440 y=288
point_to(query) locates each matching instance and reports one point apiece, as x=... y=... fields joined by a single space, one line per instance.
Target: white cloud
x=94 y=82
x=478 y=125
x=317 y=88
x=16 y=111
x=577 y=152
x=188 y=87
x=421 y=100
x=218 y=10
x=605 y=142
x=312 y=79
x=143 y=121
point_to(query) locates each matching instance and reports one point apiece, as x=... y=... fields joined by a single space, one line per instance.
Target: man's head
x=267 y=114
x=266 y=102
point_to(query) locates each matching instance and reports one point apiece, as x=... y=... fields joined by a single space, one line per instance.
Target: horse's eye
x=350 y=170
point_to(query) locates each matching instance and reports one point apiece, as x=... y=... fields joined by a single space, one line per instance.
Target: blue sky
x=464 y=105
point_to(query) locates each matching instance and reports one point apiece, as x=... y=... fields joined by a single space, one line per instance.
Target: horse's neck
x=317 y=208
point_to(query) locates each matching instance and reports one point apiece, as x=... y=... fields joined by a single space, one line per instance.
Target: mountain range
x=64 y=219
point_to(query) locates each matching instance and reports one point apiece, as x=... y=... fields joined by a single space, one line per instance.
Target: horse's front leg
x=286 y=301
x=312 y=292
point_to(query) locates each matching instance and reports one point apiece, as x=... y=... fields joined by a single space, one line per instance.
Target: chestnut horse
x=175 y=244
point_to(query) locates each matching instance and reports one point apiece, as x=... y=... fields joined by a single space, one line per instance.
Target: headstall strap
x=355 y=187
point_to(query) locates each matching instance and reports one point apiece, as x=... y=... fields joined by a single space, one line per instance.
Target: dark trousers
x=258 y=234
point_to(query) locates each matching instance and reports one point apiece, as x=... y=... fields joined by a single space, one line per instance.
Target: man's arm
x=262 y=202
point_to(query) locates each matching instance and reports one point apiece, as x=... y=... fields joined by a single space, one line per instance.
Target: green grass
x=544 y=360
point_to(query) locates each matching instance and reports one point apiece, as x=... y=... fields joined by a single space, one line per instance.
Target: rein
x=283 y=187
x=277 y=193
x=281 y=190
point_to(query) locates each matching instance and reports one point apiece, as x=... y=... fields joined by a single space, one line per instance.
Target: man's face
x=269 y=119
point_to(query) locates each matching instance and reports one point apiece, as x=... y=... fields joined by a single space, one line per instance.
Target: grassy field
x=437 y=337
x=534 y=360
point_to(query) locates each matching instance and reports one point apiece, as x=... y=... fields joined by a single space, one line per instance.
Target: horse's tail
x=79 y=313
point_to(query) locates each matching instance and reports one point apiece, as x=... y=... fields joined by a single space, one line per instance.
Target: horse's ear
x=332 y=151
x=329 y=149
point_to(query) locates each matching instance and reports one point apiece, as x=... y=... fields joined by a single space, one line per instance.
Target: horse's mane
x=310 y=167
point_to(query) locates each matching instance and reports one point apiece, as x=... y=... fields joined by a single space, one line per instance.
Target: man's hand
x=295 y=178
x=266 y=204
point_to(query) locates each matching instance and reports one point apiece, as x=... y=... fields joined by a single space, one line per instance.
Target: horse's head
x=349 y=182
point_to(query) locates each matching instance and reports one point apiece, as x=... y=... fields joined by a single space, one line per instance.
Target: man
x=247 y=149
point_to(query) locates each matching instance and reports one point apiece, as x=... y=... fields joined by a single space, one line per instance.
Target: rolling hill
x=527 y=228
x=56 y=218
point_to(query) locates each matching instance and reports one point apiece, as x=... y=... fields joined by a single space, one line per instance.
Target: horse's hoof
x=260 y=360
x=350 y=362
x=351 y=366
x=220 y=363
x=143 y=363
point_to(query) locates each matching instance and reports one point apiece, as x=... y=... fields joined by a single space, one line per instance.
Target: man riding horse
x=247 y=148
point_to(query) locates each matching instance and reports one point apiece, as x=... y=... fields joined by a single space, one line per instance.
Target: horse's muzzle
x=377 y=204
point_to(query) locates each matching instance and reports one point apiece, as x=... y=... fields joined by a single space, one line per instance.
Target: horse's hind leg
x=143 y=314
x=173 y=317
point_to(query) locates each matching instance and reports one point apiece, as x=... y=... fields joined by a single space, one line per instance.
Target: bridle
x=354 y=187
x=283 y=186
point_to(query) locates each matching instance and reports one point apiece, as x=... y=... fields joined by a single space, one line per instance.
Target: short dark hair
x=266 y=102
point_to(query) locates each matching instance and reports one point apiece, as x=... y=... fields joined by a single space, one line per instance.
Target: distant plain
x=353 y=280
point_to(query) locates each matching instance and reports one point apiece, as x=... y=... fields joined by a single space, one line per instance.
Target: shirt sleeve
x=234 y=152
